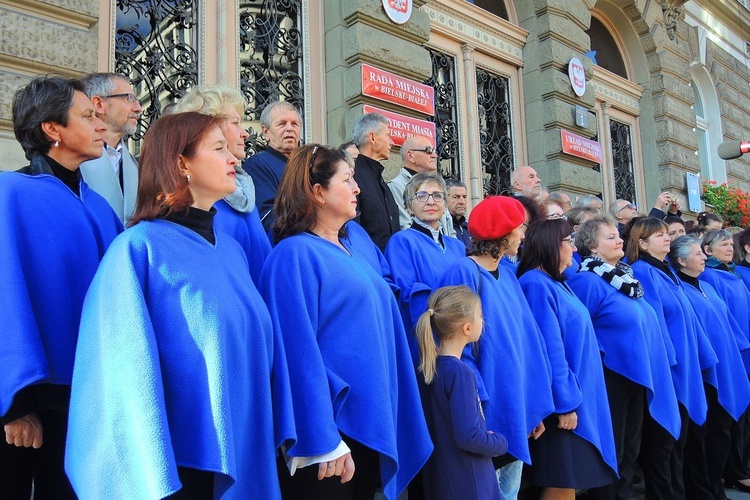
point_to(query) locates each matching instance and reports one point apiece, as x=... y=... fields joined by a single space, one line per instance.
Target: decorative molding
x=616 y=91
x=45 y=10
x=507 y=44
x=672 y=10
x=306 y=71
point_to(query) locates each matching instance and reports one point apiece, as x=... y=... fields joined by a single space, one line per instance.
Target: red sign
x=403 y=126
x=581 y=147
x=392 y=88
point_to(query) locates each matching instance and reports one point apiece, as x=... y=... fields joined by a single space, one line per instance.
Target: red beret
x=495 y=217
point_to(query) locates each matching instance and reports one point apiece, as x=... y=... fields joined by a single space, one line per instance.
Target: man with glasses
x=623 y=211
x=115 y=174
x=418 y=155
x=457 y=203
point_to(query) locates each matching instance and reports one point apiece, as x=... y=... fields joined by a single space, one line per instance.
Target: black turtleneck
x=71 y=178
x=690 y=280
x=743 y=263
x=661 y=265
x=200 y=221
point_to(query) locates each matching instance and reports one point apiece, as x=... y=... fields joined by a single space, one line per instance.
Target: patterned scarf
x=619 y=276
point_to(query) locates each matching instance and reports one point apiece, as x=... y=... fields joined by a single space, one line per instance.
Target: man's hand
x=24 y=432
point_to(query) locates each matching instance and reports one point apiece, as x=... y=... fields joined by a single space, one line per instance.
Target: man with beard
x=115 y=174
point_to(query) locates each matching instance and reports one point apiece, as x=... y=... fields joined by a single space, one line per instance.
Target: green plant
x=731 y=203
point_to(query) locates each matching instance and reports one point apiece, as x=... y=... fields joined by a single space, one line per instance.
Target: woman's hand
x=568 y=421
x=538 y=431
x=342 y=466
x=24 y=432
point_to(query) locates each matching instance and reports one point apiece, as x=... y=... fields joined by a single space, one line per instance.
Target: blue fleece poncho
x=512 y=370
x=249 y=233
x=732 y=290
x=417 y=262
x=348 y=357
x=578 y=378
x=177 y=365
x=691 y=347
x=744 y=273
x=361 y=244
x=728 y=376
x=630 y=336
x=51 y=242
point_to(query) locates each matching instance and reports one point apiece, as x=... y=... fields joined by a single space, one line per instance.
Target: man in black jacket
x=378 y=212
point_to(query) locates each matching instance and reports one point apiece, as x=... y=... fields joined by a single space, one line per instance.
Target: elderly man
x=418 y=155
x=115 y=174
x=457 y=201
x=623 y=211
x=526 y=182
x=280 y=124
x=378 y=211
x=590 y=200
x=560 y=199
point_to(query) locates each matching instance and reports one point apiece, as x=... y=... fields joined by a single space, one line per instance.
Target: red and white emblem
x=398 y=11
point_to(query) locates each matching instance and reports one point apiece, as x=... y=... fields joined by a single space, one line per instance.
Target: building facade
x=666 y=80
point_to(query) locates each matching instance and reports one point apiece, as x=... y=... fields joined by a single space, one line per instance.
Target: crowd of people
x=196 y=324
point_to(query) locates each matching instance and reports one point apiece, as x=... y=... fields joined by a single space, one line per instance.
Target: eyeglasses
x=427 y=149
x=570 y=241
x=556 y=216
x=128 y=96
x=423 y=196
x=629 y=205
x=312 y=156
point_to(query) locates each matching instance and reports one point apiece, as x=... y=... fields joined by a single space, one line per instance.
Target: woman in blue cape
x=180 y=385
x=420 y=254
x=581 y=426
x=354 y=388
x=742 y=259
x=635 y=357
x=510 y=364
x=726 y=384
x=55 y=230
x=661 y=454
x=236 y=214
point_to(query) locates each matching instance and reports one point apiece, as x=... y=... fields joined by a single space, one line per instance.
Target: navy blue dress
x=461 y=465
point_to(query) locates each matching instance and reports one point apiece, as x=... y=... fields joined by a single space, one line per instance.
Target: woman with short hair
x=54 y=231
x=577 y=449
x=636 y=361
x=180 y=384
x=354 y=394
x=688 y=345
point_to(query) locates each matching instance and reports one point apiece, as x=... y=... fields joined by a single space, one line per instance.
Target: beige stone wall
x=41 y=37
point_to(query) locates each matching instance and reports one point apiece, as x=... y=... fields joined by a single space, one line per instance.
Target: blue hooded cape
x=358 y=240
x=578 y=378
x=249 y=233
x=417 y=262
x=348 y=357
x=630 y=336
x=692 y=349
x=51 y=242
x=728 y=376
x=732 y=290
x=177 y=365
x=512 y=369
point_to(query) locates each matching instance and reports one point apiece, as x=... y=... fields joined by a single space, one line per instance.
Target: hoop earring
x=187 y=177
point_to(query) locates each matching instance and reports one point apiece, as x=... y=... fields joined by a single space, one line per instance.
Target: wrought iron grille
x=622 y=161
x=495 y=132
x=270 y=48
x=155 y=45
x=446 y=112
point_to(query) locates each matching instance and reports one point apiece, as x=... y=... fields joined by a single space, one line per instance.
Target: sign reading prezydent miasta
x=403 y=126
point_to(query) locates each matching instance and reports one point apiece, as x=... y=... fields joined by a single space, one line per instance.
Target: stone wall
x=41 y=37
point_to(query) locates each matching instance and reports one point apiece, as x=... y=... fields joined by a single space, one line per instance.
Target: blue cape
x=744 y=273
x=512 y=369
x=360 y=243
x=631 y=339
x=728 y=376
x=348 y=357
x=51 y=242
x=249 y=233
x=574 y=354
x=732 y=290
x=177 y=365
x=417 y=262
x=266 y=168
x=691 y=347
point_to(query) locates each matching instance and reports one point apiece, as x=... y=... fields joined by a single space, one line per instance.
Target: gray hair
x=101 y=84
x=714 y=237
x=587 y=236
x=452 y=183
x=576 y=214
x=588 y=200
x=417 y=180
x=681 y=248
x=370 y=122
x=613 y=206
x=265 y=115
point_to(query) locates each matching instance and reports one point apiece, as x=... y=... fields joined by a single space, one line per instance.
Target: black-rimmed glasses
x=128 y=96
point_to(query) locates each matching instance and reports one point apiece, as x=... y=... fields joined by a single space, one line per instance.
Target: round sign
x=398 y=11
x=577 y=76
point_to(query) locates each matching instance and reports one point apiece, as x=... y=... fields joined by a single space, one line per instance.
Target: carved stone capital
x=672 y=11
